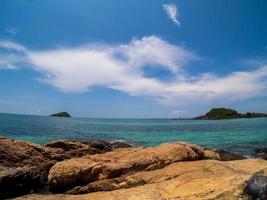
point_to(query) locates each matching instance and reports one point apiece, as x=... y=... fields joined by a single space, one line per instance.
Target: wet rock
x=261 y=153
x=222 y=155
x=81 y=171
x=256 y=187
x=18 y=181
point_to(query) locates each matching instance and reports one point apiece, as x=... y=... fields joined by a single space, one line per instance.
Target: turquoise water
x=240 y=135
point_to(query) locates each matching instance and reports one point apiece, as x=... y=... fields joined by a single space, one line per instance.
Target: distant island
x=228 y=113
x=61 y=114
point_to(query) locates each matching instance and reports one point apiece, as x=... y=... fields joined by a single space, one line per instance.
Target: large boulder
x=80 y=171
x=18 y=181
x=21 y=155
x=196 y=180
x=256 y=187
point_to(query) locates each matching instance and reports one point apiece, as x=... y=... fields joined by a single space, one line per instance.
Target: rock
x=196 y=180
x=80 y=171
x=61 y=114
x=65 y=145
x=70 y=149
x=20 y=154
x=256 y=187
x=222 y=155
x=261 y=153
x=18 y=181
x=117 y=145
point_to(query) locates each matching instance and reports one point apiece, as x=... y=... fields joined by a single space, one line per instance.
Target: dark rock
x=261 y=153
x=18 y=181
x=117 y=145
x=222 y=155
x=99 y=145
x=228 y=156
x=64 y=144
x=256 y=187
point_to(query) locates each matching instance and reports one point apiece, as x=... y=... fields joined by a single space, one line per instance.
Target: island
x=228 y=113
x=61 y=114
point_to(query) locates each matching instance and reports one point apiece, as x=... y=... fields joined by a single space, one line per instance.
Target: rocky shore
x=103 y=170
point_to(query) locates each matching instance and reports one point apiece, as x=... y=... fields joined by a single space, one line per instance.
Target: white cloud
x=11 y=54
x=12 y=30
x=122 y=67
x=119 y=67
x=12 y=46
x=172 y=11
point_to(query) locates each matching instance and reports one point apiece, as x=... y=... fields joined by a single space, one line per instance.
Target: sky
x=132 y=59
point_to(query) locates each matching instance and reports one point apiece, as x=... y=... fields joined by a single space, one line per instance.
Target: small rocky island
x=228 y=113
x=61 y=114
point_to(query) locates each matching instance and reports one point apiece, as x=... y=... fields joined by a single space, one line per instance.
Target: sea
x=237 y=135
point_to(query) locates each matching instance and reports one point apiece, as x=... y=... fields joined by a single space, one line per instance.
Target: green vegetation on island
x=61 y=114
x=227 y=113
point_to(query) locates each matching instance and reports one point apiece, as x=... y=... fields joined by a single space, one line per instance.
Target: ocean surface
x=239 y=135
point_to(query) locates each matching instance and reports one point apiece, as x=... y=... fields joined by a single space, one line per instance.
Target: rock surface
x=17 y=181
x=222 y=155
x=80 y=171
x=261 y=153
x=192 y=180
x=21 y=156
x=107 y=171
x=256 y=187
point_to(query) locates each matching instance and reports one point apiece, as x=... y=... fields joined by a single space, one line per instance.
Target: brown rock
x=21 y=154
x=80 y=171
x=192 y=180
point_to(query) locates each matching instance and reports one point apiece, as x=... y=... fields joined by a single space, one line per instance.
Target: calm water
x=241 y=135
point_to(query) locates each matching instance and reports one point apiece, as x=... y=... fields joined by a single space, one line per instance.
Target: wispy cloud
x=11 y=54
x=12 y=30
x=122 y=67
x=172 y=11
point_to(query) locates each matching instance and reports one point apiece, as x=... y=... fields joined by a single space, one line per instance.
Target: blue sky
x=132 y=59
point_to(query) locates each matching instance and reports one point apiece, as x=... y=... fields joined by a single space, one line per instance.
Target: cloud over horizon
x=122 y=67
x=172 y=11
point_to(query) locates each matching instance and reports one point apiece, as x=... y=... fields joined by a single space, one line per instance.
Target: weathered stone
x=256 y=187
x=80 y=171
x=261 y=153
x=117 y=145
x=196 y=180
x=18 y=181
x=222 y=155
x=15 y=154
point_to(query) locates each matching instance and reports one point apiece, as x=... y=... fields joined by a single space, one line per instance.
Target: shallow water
x=239 y=135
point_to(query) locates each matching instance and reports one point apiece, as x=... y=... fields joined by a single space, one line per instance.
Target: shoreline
x=114 y=166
